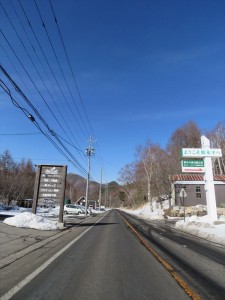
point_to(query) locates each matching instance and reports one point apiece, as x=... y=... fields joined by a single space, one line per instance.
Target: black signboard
x=50 y=187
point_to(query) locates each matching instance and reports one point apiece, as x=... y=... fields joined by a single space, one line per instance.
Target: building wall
x=220 y=195
x=192 y=198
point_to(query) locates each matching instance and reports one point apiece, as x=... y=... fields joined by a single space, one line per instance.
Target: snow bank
x=198 y=226
x=145 y=212
x=29 y=220
x=202 y=227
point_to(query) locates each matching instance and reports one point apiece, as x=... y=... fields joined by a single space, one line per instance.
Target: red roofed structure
x=195 y=177
x=194 y=186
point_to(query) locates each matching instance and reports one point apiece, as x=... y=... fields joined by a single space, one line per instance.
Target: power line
x=39 y=73
x=59 y=111
x=43 y=82
x=67 y=57
x=49 y=66
x=53 y=49
x=63 y=151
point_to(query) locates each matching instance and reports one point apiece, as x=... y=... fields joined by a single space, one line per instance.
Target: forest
x=141 y=181
x=148 y=177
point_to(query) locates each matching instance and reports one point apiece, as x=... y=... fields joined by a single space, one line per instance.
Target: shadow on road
x=95 y=224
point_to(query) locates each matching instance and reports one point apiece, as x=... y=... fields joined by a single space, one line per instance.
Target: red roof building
x=194 y=186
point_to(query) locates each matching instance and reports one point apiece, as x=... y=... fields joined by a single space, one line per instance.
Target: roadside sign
x=183 y=193
x=50 y=186
x=192 y=166
x=193 y=163
x=200 y=152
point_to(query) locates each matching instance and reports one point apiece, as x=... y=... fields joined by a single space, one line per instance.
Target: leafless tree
x=217 y=139
x=187 y=136
x=127 y=179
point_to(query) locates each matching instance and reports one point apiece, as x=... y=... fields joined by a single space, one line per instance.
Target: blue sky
x=143 y=68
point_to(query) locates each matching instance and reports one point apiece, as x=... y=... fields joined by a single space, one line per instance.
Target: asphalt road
x=199 y=262
x=106 y=263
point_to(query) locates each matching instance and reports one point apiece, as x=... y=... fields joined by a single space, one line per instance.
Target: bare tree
x=217 y=139
x=127 y=178
x=157 y=167
x=188 y=136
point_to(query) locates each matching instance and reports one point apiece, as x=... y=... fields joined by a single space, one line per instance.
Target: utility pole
x=110 y=199
x=106 y=193
x=89 y=152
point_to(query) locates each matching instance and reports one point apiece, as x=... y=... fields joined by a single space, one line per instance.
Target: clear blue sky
x=143 y=68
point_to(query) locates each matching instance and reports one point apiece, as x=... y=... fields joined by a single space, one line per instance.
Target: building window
x=198 y=192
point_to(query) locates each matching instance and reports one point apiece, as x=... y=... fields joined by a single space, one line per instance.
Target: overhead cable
x=67 y=57
x=53 y=49
x=65 y=151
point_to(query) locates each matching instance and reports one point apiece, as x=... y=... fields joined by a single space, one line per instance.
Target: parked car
x=72 y=209
x=83 y=209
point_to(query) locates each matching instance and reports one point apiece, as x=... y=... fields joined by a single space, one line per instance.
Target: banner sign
x=199 y=152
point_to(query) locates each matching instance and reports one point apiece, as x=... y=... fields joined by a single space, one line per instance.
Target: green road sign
x=200 y=152
x=193 y=163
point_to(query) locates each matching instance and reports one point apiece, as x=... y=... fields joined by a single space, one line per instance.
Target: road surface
x=105 y=261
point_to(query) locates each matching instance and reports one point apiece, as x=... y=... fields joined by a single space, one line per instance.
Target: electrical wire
x=39 y=60
x=58 y=138
x=47 y=62
x=68 y=154
x=60 y=67
x=67 y=57
x=36 y=71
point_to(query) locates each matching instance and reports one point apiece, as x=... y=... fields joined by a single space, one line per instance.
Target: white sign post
x=206 y=153
x=209 y=182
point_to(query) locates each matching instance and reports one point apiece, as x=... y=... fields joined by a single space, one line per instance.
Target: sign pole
x=209 y=182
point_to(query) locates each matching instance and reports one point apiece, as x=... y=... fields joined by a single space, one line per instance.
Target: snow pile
x=202 y=227
x=29 y=220
x=198 y=226
x=145 y=211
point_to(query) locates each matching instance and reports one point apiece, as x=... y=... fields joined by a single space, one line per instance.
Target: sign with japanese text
x=199 y=152
x=192 y=166
x=51 y=183
x=193 y=163
x=50 y=187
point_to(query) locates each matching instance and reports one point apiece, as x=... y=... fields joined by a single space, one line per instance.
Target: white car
x=72 y=209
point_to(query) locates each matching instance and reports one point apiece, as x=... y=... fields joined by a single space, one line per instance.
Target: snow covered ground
x=45 y=219
x=199 y=226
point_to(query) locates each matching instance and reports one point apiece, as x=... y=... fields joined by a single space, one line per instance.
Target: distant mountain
x=76 y=188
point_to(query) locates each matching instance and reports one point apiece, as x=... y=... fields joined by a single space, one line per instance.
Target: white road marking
x=25 y=281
